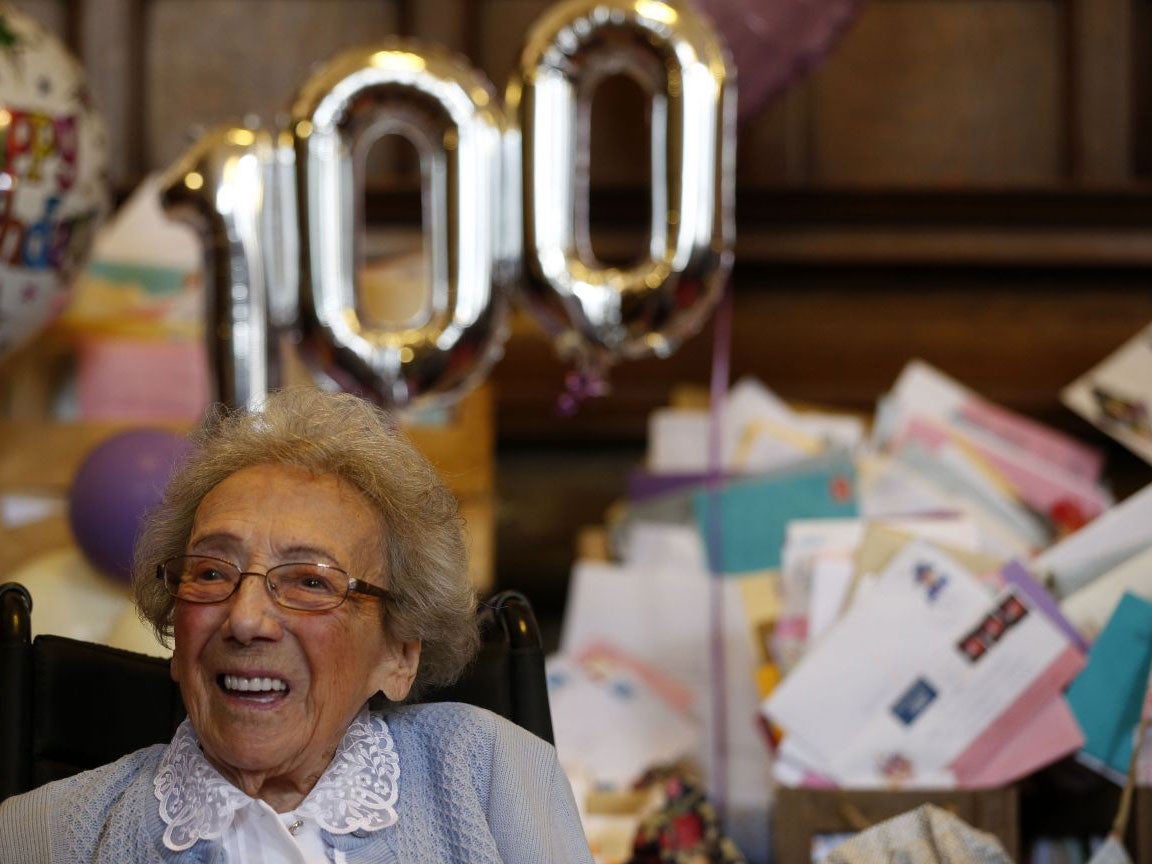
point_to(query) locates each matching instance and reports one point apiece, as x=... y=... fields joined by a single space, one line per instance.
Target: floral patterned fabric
x=686 y=829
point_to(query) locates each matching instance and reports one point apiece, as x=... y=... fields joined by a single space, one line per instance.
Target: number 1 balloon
x=448 y=112
x=598 y=313
x=219 y=187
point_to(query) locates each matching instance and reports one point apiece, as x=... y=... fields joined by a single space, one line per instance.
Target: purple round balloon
x=118 y=482
x=775 y=42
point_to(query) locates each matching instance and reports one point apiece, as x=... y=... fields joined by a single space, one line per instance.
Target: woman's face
x=327 y=663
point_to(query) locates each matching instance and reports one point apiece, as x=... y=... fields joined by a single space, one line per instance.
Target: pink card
x=1058 y=495
x=142 y=379
x=1035 y=731
x=1029 y=436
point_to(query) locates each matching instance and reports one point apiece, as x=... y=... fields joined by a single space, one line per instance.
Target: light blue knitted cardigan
x=474 y=789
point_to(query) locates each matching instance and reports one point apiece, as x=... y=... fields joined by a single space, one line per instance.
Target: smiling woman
x=306 y=558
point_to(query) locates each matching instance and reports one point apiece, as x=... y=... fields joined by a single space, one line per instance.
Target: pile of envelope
x=952 y=599
x=986 y=616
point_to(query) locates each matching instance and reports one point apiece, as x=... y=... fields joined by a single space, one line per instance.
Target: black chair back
x=70 y=705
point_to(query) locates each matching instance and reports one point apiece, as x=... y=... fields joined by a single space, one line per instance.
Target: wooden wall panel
x=445 y=22
x=1100 y=73
x=944 y=93
x=500 y=26
x=1140 y=97
x=113 y=55
x=922 y=93
x=195 y=76
x=53 y=14
x=840 y=338
x=775 y=147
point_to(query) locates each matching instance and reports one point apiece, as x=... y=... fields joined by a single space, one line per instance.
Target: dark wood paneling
x=545 y=496
x=494 y=42
x=195 y=77
x=841 y=337
x=940 y=92
x=954 y=92
x=1140 y=100
x=1015 y=294
x=1100 y=71
x=59 y=17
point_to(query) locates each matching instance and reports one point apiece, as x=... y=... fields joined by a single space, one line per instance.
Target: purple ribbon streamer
x=721 y=360
x=580 y=385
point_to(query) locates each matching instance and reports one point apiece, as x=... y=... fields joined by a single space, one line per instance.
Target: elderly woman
x=305 y=559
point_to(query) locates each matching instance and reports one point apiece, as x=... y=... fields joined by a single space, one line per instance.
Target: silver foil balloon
x=449 y=113
x=220 y=187
x=598 y=313
x=281 y=238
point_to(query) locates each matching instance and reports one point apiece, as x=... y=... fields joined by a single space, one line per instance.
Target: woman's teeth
x=253 y=685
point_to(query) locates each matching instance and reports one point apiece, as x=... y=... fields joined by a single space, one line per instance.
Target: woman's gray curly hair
x=345 y=436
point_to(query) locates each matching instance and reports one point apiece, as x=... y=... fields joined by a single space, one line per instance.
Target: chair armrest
x=16 y=608
x=15 y=673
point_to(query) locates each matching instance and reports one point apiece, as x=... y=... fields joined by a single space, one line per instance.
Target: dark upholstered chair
x=53 y=686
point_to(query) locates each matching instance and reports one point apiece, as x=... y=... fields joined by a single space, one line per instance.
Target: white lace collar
x=357 y=791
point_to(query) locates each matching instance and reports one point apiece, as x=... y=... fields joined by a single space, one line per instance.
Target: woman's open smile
x=271 y=690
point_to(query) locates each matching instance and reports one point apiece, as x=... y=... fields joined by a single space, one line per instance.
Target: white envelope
x=758 y=433
x=678 y=441
x=656 y=607
x=1100 y=546
x=891 y=694
x=1091 y=607
x=614 y=726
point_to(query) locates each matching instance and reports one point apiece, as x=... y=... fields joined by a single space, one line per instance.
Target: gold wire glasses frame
x=306 y=587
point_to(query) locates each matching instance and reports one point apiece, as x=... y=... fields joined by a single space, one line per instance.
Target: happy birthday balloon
x=598 y=314
x=53 y=160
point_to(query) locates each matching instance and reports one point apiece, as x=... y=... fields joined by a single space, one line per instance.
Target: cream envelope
x=758 y=432
x=761 y=432
x=612 y=717
x=817 y=568
x=889 y=487
x=1009 y=527
x=882 y=542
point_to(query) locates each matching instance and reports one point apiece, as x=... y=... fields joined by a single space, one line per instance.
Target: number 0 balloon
x=448 y=112
x=599 y=313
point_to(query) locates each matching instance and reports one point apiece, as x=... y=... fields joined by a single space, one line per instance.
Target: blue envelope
x=1107 y=696
x=754 y=513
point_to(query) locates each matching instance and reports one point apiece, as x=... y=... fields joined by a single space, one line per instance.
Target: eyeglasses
x=304 y=587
